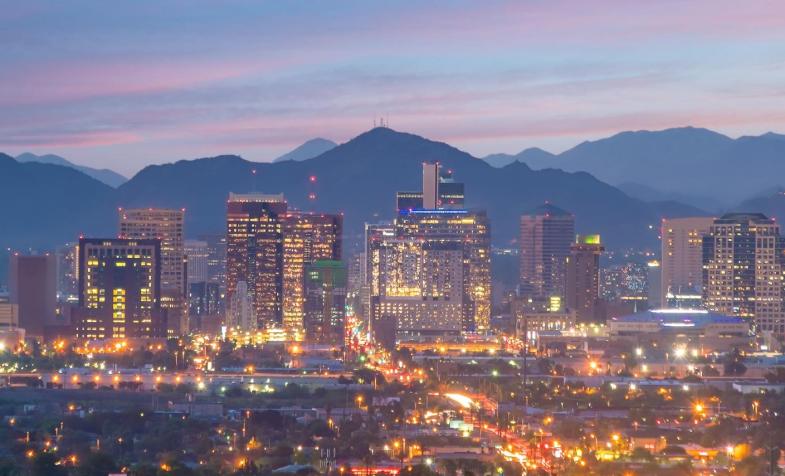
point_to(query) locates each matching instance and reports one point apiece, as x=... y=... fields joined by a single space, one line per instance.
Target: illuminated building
x=67 y=272
x=743 y=270
x=546 y=236
x=470 y=232
x=583 y=277
x=681 y=265
x=325 y=302
x=417 y=289
x=430 y=185
x=254 y=252
x=531 y=324
x=308 y=237
x=696 y=330
x=197 y=254
x=167 y=226
x=33 y=289
x=120 y=289
x=204 y=299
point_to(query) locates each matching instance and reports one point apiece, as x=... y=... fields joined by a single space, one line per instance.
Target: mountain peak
x=109 y=177
x=308 y=150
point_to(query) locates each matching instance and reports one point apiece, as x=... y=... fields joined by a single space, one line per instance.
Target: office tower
x=241 y=313
x=254 y=253
x=583 y=277
x=445 y=192
x=307 y=237
x=418 y=289
x=204 y=299
x=653 y=281
x=471 y=230
x=325 y=302
x=32 y=287
x=197 y=254
x=743 y=270
x=546 y=236
x=67 y=257
x=167 y=226
x=120 y=290
x=216 y=259
x=430 y=185
x=681 y=266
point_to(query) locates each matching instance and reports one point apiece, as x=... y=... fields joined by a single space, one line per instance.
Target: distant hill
x=772 y=203
x=109 y=177
x=308 y=150
x=44 y=205
x=648 y=194
x=679 y=162
x=533 y=155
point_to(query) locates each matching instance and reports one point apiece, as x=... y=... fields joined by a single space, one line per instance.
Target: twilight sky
x=124 y=83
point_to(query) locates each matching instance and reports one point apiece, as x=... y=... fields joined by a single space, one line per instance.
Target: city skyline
x=109 y=87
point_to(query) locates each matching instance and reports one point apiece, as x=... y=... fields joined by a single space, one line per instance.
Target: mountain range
x=109 y=177
x=51 y=204
x=690 y=163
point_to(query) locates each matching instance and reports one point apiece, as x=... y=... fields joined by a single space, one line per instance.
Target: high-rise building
x=216 y=259
x=546 y=236
x=583 y=277
x=68 y=272
x=743 y=270
x=204 y=299
x=166 y=225
x=681 y=266
x=471 y=231
x=444 y=192
x=308 y=237
x=197 y=254
x=430 y=185
x=417 y=289
x=241 y=312
x=120 y=290
x=32 y=287
x=325 y=302
x=254 y=254
x=654 y=281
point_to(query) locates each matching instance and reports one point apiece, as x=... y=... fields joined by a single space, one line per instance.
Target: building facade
x=166 y=225
x=546 y=237
x=254 y=252
x=32 y=287
x=681 y=264
x=325 y=302
x=583 y=277
x=308 y=237
x=120 y=290
x=743 y=270
x=197 y=255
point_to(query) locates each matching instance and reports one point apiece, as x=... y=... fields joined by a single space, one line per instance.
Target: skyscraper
x=325 y=302
x=166 y=225
x=743 y=270
x=241 y=313
x=308 y=237
x=197 y=254
x=216 y=259
x=472 y=234
x=546 y=236
x=418 y=289
x=68 y=272
x=32 y=287
x=255 y=243
x=681 y=265
x=583 y=277
x=120 y=290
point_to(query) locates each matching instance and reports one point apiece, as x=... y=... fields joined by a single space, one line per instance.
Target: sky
x=127 y=83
